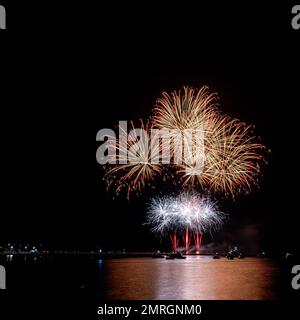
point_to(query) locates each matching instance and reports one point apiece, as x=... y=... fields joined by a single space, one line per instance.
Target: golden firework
x=134 y=158
x=232 y=154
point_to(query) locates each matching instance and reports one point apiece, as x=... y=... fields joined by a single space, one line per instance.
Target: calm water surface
x=195 y=278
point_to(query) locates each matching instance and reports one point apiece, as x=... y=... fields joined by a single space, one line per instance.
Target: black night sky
x=63 y=90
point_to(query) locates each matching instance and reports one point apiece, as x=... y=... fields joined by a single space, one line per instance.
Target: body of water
x=195 y=278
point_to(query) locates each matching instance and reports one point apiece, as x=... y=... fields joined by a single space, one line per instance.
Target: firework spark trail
x=190 y=214
x=186 y=239
x=231 y=156
x=188 y=210
x=192 y=109
x=163 y=214
x=198 y=239
x=199 y=213
x=232 y=159
x=174 y=241
x=137 y=154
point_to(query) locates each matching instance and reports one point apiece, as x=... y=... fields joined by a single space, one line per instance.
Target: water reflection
x=196 y=278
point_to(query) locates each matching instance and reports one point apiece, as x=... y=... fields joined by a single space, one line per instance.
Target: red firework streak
x=186 y=240
x=198 y=239
x=175 y=241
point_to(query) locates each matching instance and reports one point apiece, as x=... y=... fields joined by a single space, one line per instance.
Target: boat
x=170 y=257
x=262 y=255
x=216 y=256
x=230 y=255
x=175 y=255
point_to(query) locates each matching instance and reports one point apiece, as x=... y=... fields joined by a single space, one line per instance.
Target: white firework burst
x=188 y=210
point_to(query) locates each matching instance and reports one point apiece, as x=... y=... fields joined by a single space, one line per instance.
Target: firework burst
x=191 y=109
x=231 y=152
x=232 y=159
x=189 y=210
x=137 y=154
